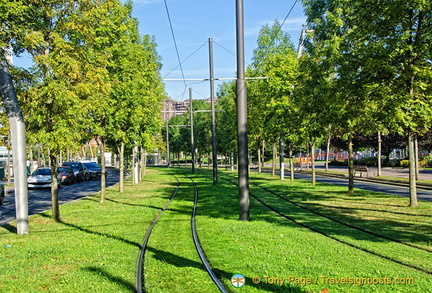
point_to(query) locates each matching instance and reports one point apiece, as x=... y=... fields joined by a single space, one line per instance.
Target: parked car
x=41 y=178
x=67 y=175
x=94 y=169
x=2 y=193
x=80 y=171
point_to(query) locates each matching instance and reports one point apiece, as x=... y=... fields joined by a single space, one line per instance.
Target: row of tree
x=366 y=68
x=93 y=76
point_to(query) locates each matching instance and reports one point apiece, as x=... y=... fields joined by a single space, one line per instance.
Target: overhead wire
x=186 y=59
x=175 y=42
x=280 y=27
x=225 y=49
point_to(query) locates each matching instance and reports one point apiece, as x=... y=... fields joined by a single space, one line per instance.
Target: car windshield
x=42 y=172
x=72 y=164
x=91 y=165
x=63 y=169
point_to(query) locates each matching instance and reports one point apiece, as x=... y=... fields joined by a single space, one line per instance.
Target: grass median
x=94 y=248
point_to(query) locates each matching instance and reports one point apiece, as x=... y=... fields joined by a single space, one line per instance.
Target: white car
x=41 y=178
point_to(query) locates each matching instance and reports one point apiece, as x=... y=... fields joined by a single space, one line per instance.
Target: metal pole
x=18 y=137
x=192 y=131
x=242 y=140
x=213 y=123
x=167 y=142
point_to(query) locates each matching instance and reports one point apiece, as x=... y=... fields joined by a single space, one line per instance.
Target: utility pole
x=242 y=139
x=213 y=118
x=192 y=131
x=18 y=136
x=167 y=141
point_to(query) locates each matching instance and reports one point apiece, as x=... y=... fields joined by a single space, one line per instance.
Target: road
x=422 y=194
x=40 y=199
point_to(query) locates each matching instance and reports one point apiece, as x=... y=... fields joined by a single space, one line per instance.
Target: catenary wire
x=185 y=60
x=175 y=42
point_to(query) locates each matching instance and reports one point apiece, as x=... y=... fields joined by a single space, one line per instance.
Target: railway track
x=262 y=195
x=140 y=282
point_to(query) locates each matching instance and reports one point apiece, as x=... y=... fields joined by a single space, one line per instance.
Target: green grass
x=274 y=247
x=94 y=248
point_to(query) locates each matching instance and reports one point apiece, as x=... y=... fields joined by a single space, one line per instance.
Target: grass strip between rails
x=94 y=248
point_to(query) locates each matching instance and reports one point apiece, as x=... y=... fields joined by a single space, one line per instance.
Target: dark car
x=80 y=171
x=94 y=169
x=67 y=175
x=2 y=193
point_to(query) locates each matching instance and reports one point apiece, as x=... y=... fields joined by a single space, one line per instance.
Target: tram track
x=317 y=230
x=140 y=283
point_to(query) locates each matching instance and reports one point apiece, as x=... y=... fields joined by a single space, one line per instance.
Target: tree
x=270 y=105
x=397 y=57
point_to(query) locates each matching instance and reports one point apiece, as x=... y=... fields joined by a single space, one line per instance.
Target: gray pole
x=192 y=131
x=242 y=140
x=213 y=123
x=167 y=142
x=18 y=136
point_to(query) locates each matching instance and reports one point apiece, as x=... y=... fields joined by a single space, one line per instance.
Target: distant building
x=173 y=108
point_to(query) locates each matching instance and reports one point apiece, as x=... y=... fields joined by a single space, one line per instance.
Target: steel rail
x=139 y=272
x=198 y=244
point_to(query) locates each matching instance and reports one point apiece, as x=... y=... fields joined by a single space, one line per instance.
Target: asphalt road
x=422 y=194
x=40 y=199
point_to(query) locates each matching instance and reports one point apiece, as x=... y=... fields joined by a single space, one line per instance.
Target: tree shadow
x=99 y=272
x=10 y=228
x=94 y=232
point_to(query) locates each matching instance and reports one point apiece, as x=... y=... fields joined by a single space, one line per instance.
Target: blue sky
x=194 y=22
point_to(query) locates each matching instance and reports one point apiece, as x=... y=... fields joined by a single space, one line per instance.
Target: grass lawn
x=94 y=248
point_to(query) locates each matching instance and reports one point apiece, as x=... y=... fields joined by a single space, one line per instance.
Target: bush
x=404 y=163
x=426 y=162
x=368 y=161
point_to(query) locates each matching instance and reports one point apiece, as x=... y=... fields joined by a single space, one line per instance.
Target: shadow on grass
x=10 y=228
x=111 y=278
x=182 y=262
x=95 y=233
x=221 y=201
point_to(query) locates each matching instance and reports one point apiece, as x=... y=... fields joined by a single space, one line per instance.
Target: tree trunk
x=103 y=171
x=121 y=167
x=259 y=160
x=412 y=171
x=350 y=166
x=18 y=137
x=291 y=162
x=135 y=172
x=274 y=161
x=313 y=162
x=54 y=187
x=327 y=152
x=416 y=158
x=282 y=157
x=143 y=163
x=379 y=153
